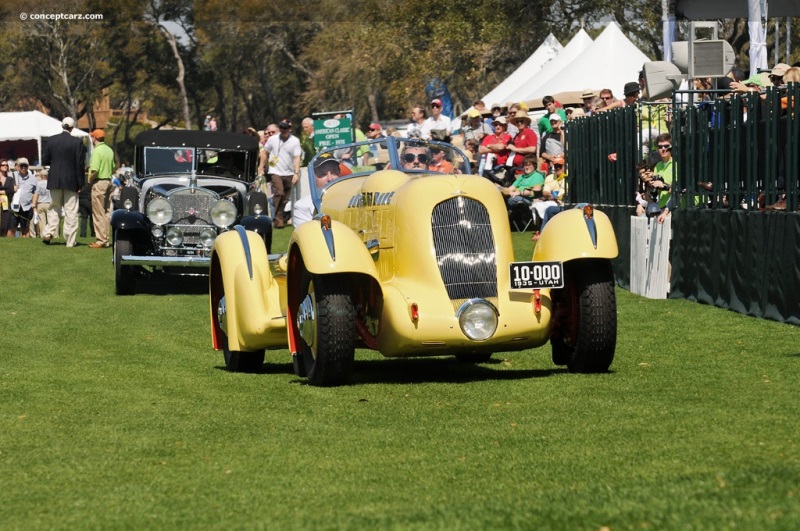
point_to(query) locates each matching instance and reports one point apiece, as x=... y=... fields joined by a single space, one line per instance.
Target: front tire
x=124 y=276
x=585 y=333
x=325 y=321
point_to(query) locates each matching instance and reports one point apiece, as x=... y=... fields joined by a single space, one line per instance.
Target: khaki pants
x=69 y=200
x=45 y=213
x=101 y=209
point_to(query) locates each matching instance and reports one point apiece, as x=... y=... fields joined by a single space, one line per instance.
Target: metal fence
x=747 y=147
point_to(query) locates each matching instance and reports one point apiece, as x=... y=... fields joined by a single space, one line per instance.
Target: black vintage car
x=187 y=188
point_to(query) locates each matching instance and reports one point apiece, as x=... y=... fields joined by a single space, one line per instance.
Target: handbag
x=15 y=201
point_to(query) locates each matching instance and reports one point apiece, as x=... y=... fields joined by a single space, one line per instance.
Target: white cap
x=68 y=122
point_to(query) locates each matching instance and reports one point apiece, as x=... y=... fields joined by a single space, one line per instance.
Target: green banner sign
x=332 y=132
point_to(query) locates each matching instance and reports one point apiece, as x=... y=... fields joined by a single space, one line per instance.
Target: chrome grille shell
x=465 y=248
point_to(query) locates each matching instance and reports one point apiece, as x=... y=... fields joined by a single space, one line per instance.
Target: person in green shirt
x=527 y=186
x=663 y=175
x=101 y=169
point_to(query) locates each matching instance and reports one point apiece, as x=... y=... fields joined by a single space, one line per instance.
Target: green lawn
x=116 y=413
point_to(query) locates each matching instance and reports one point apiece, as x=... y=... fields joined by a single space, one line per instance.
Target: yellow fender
x=338 y=250
x=254 y=316
x=571 y=235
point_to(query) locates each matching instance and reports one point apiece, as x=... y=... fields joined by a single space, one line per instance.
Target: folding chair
x=520 y=217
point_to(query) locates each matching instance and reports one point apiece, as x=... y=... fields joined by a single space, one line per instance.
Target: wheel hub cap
x=306 y=321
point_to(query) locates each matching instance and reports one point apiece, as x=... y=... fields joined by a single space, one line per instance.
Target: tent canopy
x=30 y=125
x=22 y=134
x=577 y=46
x=610 y=62
x=549 y=49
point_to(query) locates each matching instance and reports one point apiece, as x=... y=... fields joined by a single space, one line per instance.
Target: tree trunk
x=173 y=43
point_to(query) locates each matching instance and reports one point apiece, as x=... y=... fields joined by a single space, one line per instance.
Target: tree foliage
x=253 y=62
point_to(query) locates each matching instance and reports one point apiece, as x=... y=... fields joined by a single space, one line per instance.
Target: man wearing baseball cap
x=437 y=126
x=101 y=169
x=326 y=169
x=66 y=156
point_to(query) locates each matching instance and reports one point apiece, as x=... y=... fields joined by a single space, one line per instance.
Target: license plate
x=536 y=275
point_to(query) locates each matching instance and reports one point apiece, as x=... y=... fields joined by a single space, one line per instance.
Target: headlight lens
x=128 y=204
x=223 y=213
x=159 y=211
x=257 y=210
x=207 y=237
x=174 y=236
x=477 y=319
x=157 y=231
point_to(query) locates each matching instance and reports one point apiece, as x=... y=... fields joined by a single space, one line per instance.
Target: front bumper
x=166 y=261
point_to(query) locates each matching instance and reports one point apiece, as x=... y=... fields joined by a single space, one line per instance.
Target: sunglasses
x=1 y=165
x=434 y=106
x=558 y=165
x=664 y=147
x=606 y=97
x=411 y=157
x=23 y=165
x=520 y=121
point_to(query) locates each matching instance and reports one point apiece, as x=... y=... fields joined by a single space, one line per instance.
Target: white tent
x=549 y=49
x=610 y=62
x=31 y=126
x=574 y=48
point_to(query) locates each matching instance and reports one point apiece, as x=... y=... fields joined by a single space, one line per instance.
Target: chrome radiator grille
x=465 y=250
x=192 y=212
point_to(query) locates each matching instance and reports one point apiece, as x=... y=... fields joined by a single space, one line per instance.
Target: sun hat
x=522 y=115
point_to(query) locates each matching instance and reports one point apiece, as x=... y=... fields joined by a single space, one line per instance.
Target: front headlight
x=128 y=204
x=159 y=211
x=174 y=236
x=207 y=237
x=223 y=213
x=477 y=319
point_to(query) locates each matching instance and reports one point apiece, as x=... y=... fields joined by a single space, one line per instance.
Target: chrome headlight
x=128 y=204
x=174 y=236
x=159 y=211
x=223 y=213
x=157 y=231
x=207 y=237
x=477 y=319
x=257 y=210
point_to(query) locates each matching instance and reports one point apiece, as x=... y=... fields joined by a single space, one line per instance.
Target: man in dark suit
x=66 y=156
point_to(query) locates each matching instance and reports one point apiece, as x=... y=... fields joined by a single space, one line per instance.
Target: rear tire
x=124 y=276
x=326 y=324
x=235 y=360
x=586 y=309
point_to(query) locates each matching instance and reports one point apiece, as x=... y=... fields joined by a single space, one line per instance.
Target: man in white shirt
x=437 y=126
x=283 y=154
x=326 y=169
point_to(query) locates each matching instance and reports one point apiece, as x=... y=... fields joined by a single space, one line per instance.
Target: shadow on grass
x=439 y=370
x=172 y=285
x=266 y=368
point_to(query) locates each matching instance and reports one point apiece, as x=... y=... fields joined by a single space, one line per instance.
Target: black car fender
x=259 y=224
x=129 y=220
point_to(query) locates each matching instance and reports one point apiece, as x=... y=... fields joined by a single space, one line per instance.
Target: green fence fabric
x=748 y=262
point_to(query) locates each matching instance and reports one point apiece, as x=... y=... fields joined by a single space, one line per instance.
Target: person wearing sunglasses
x=6 y=193
x=415 y=157
x=554 y=193
x=552 y=107
x=663 y=174
x=437 y=126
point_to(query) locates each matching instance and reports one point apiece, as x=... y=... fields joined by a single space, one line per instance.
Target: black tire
x=242 y=361
x=326 y=325
x=474 y=358
x=586 y=313
x=235 y=360
x=124 y=276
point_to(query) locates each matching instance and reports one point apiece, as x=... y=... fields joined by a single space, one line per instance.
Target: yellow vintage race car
x=412 y=257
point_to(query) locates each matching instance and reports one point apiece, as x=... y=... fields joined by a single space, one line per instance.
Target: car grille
x=465 y=250
x=192 y=212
